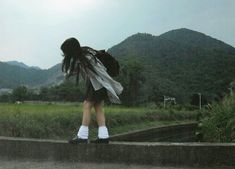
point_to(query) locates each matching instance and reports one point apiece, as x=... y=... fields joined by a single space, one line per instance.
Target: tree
x=43 y=94
x=132 y=79
x=20 y=93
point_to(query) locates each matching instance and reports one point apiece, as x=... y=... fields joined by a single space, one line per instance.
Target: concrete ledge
x=159 y=154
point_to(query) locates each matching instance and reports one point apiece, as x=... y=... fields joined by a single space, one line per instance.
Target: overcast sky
x=31 y=31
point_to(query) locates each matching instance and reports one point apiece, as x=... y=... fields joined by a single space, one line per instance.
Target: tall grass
x=218 y=124
x=61 y=121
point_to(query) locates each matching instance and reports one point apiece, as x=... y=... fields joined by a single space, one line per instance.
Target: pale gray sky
x=31 y=31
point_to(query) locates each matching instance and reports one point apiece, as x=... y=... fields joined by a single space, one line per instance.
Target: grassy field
x=61 y=121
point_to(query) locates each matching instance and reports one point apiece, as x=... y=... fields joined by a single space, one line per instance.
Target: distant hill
x=180 y=62
x=21 y=64
x=16 y=63
x=14 y=75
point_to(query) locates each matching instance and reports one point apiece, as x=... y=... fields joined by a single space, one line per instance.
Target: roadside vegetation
x=218 y=121
x=61 y=121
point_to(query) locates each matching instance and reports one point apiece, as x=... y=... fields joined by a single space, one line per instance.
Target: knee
x=87 y=104
x=98 y=107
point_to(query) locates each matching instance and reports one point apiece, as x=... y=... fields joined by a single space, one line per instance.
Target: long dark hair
x=74 y=55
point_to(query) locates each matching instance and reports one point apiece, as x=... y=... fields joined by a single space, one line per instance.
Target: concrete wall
x=173 y=154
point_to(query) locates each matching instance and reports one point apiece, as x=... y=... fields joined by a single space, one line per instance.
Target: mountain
x=180 y=62
x=35 y=67
x=16 y=63
x=21 y=64
x=14 y=75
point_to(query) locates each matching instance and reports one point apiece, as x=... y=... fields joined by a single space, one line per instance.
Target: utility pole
x=164 y=102
x=200 y=101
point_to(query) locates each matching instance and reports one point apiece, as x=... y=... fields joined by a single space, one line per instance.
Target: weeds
x=218 y=124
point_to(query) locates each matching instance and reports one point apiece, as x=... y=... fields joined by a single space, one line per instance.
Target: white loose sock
x=103 y=132
x=83 y=132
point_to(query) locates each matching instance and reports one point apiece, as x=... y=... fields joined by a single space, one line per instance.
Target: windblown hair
x=74 y=55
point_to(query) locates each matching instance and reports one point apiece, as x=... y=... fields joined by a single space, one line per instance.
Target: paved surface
x=7 y=164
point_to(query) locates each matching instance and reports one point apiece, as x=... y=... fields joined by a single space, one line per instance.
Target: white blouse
x=102 y=79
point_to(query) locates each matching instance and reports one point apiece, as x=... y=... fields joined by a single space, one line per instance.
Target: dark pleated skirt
x=95 y=96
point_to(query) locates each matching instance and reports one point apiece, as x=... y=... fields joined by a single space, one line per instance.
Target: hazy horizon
x=32 y=31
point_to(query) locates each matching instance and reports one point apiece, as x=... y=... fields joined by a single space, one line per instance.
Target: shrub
x=218 y=125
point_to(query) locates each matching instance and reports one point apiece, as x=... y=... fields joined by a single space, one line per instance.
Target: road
x=13 y=164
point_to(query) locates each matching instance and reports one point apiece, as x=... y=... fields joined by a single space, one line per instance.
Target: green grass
x=61 y=121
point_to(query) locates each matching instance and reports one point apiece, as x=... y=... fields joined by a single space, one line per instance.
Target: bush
x=218 y=123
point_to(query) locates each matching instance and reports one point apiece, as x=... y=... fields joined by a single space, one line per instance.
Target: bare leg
x=83 y=131
x=103 y=135
x=100 y=118
x=87 y=105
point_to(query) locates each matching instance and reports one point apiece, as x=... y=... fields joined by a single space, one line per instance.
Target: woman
x=100 y=86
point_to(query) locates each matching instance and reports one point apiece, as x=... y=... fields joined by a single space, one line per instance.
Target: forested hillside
x=179 y=63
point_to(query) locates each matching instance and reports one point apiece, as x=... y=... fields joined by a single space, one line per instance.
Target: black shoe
x=101 y=141
x=77 y=140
